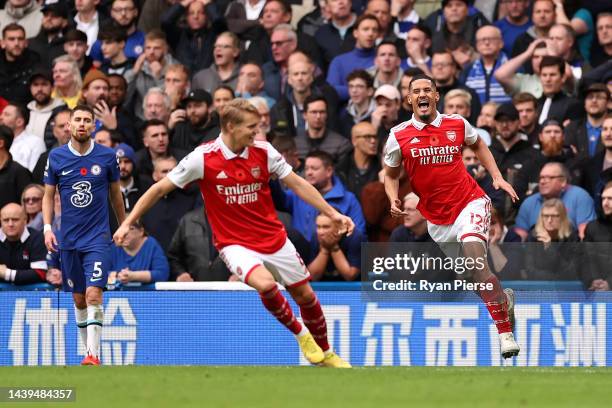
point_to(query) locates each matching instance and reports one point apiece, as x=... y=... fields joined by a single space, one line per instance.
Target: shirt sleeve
x=189 y=169
x=585 y=208
x=277 y=164
x=470 y=133
x=113 y=169
x=392 y=152
x=49 y=176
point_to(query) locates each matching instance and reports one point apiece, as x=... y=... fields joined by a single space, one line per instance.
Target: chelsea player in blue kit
x=85 y=174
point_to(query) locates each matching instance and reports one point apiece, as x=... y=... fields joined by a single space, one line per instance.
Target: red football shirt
x=236 y=193
x=431 y=154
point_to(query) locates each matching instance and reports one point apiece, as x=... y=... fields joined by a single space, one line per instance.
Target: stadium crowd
x=534 y=77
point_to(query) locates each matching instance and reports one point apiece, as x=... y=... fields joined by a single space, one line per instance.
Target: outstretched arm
x=311 y=195
x=486 y=159
x=144 y=204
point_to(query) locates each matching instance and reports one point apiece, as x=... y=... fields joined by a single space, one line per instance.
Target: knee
x=79 y=301
x=93 y=297
x=302 y=294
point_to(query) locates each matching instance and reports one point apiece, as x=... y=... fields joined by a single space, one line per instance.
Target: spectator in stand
x=95 y=95
x=562 y=39
x=554 y=183
x=222 y=95
x=22 y=249
x=585 y=133
x=381 y=9
x=311 y=22
x=580 y=20
x=117 y=92
x=17 y=63
x=405 y=112
x=59 y=136
x=42 y=105
x=139 y=259
x=386 y=69
x=365 y=31
x=604 y=38
x=163 y=218
x=361 y=102
x=598 y=235
x=454 y=21
x=319 y=172
x=75 y=45
x=553 y=256
x=505 y=255
x=414 y=225
x=192 y=43
x=251 y=83
x=527 y=107
x=88 y=20
x=418 y=42
x=555 y=103
x=149 y=70
x=543 y=18
x=225 y=68
x=385 y=116
x=26 y=148
x=362 y=165
x=156 y=105
x=482 y=177
x=336 y=35
x=176 y=84
x=263 y=130
x=284 y=42
x=317 y=135
x=115 y=61
x=13 y=176
x=26 y=13
x=31 y=200
x=459 y=102
x=338 y=258
x=67 y=81
x=287 y=115
x=285 y=145
x=515 y=82
x=192 y=124
x=596 y=170
x=191 y=253
x=124 y=16
x=103 y=136
x=49 y=43
x=515 y=22
x=404 y=17
x=486 y=119
x=480 y=74
x=444 y=70
x=128 y=179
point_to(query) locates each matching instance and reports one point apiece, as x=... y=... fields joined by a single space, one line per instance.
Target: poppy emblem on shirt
x=451 y=135
x=83 y=171
x=96 y=170
x=256 y=172
x=434 y=140
x=240 y=175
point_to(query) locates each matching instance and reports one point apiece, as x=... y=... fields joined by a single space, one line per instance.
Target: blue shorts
x=84 y=268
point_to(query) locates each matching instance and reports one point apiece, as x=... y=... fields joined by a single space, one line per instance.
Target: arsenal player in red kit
x=233 y=173
x=457 y=210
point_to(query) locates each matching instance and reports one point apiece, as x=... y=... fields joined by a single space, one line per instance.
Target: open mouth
x=423 y=105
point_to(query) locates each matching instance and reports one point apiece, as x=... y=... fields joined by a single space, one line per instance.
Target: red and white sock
x=495 y=301
x=313 y=318
x=277 y=304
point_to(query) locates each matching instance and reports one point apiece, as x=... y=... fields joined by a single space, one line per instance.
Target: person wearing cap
x=75 y=45
x=585 y=132
x=365 y=31
x=385 y=116
x=316 y=135
x=191 y=124
x=16 y=64
x=49 y=43
x=25 y=13
x=42 y=104
x=95 y=95
x=131 y=188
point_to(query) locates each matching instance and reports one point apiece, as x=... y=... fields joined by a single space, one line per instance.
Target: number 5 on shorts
x=97 y=274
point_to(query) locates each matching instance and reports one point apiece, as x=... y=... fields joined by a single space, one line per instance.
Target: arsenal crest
x=451 y=135
x=256 y=172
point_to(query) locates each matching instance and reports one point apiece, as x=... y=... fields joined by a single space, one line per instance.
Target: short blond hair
x=235 y=110
x=459 y=93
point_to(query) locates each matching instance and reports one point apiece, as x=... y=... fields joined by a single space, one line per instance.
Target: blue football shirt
x=83 y=182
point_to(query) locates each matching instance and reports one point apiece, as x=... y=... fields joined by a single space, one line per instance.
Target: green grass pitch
x=288 y=387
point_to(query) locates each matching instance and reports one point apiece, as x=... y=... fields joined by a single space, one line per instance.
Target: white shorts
x=286 y=265
x=472 y=224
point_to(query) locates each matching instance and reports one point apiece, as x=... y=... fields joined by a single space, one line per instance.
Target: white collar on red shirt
x=76 y=153
x=420 y=125
x=228 y=154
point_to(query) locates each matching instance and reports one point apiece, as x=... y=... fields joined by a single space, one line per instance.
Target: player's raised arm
x=144 y=204
x=308 y=193
x=486 y=159
x=48 y=203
